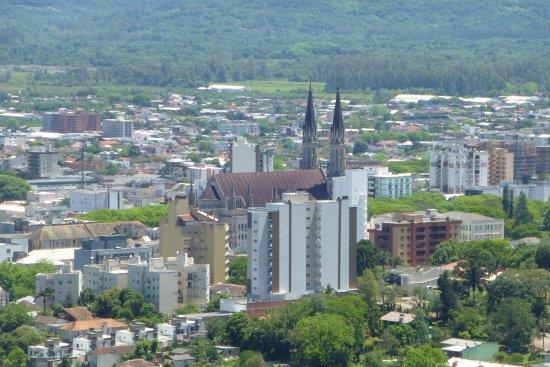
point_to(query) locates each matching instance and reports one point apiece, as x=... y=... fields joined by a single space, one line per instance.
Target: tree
x=203 y=350
x=249 y=358
x=47 y=295
x=16 y=358
x=12 y=316
x=370 y=256
x=237 y=328
x=546 y=221
x=323 y=340
x=65 y=362
x=447 y=295
x=86 y=297
x=187 y=309
x=13 y=188
x=513 y=323
x=506 y=200
x=146 y=349
x=522 y=215
x=424 y=356
x=542 y=256
x=238 y=271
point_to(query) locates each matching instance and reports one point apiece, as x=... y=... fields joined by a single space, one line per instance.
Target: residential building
x=543 y=160
x=107 y=275
x=413 y=236
x=239 y=128
x=65 y=121
x=48 y=355
x=43 y=163
x=204 y=238
x=158 y=284
x=194 y=279
x=97 y=250
x=470 y=349
x=117 y=128
x=390 y=185
x=264 y=159
x=65 y=285
x=477 y=227
x=71 y=235
x=105 y=325
x=501 y=162
x=85 y=200
x=242 y=156
x=525 y=159
x=409 y=278
x=455 y=168
x=539 y=191
x=300 y=246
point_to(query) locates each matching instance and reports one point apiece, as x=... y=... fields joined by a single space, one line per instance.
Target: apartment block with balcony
x=390 y=185
x=478 y=227
x=413 y=236
x=301 y=246
x=501 y=162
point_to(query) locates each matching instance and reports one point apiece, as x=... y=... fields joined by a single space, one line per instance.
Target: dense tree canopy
x=13 y=188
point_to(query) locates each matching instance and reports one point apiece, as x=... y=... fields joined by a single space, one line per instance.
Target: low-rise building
x=477 y=227
x=64 y=286
x=390 y=185
x=413 y=236
x=84 y=200
x=105 y=276
x=48 y=355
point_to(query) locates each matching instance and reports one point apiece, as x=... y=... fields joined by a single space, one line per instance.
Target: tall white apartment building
x=158 y=284
x=390 y=185
x=65 y=285
x=117 y=128
x=455 y=168
x=242 y=156
x=301 y=246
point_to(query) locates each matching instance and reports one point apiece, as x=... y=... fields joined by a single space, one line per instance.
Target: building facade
x=240 y=128
x=117 y=128
x=65 y=121
x=43 y=163
x=64 y=286
x=84 y=200
x=390 y=185
x=455 y=168
x=501 y=162
x=413 y=236
x=189 y=230
x=478 y=227
x=242 y=156
x=300 y=246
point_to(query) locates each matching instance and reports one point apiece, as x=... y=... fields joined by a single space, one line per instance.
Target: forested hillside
x=453 y=46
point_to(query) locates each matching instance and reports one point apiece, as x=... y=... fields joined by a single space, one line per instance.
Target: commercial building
x=413 y=236
x=65 y=121
x=300 y=246
x=64 y=285
x=85 y=200
x=477 y=227
x=390 y=185
x=97 y=250
x=117 y=128
x=455 y=168
x=43 y=163
x=204 y=238
x=501 y=162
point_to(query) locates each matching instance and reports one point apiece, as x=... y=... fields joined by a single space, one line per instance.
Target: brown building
x=413 y=236
x=201 y=236
x=525 y=160
x=543 y=160
x=501 y=162
x=65 y=121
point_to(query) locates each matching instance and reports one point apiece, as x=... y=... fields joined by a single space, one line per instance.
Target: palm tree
x=47 y=294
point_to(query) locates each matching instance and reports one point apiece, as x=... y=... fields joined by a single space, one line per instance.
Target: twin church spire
x=310 y=159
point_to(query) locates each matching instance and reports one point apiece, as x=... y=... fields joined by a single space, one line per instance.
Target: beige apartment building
x=189 y=230
x=501 y=162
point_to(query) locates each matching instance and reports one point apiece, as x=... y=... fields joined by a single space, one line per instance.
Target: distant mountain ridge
x=251 y=39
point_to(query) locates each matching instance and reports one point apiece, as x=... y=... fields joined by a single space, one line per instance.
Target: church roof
x=262 y=184
x=310 y=126
x=337 y=129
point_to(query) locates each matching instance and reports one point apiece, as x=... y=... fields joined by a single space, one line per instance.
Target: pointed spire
x=191 y=194
x=310 y=125
x=337 y=129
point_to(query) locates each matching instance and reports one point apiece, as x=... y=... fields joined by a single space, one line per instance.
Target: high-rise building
x=264 y=159
x=309 y=159
x=242 y=156
x=455 y=168
x=390 y=185
x=413 y=236
x=525 y=159
x=43 y=163
x=189 y=230
x=65 y=121
x=117 y=128
x=300 y=246
x=501 y=162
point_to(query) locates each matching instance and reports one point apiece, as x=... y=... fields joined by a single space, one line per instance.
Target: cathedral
x=337 y=159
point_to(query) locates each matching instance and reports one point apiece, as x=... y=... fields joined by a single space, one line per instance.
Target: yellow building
x=199 y=235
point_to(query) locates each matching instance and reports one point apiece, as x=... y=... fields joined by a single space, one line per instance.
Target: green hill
x=454 y=46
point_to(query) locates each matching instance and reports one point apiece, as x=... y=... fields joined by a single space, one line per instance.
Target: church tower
x=309 y=159
x=337 y=160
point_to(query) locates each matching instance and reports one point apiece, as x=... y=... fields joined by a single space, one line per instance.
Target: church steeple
x=309 y=159
x=337 y=161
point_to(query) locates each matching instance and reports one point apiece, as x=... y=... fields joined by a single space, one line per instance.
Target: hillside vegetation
x=455 y=46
